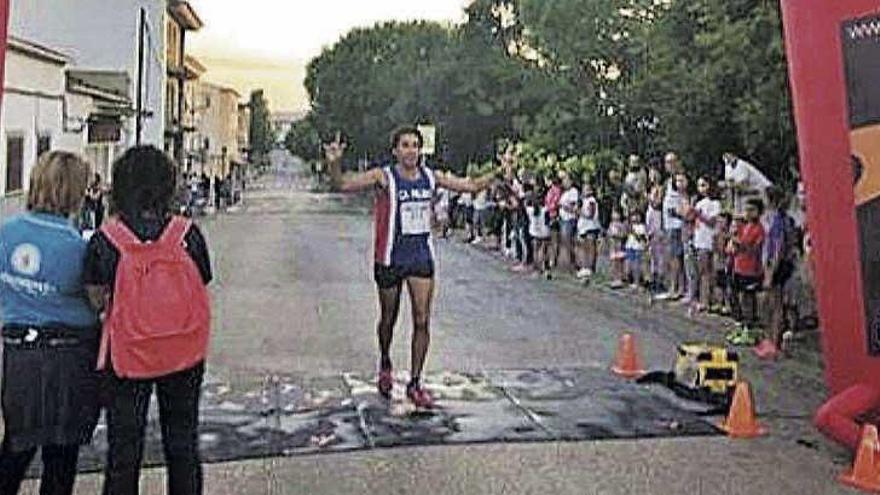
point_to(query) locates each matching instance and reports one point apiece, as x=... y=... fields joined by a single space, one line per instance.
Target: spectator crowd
x=733 y=244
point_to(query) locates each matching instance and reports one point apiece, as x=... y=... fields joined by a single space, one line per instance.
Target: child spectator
x=635 y=185
x=481 y=216
x=747 y=247
x=688 y=216
x=137 y=349
x=723 y=265
x=589 y=230
x=466 y=207
x=610 y=196
x=568 y=218
x=782 y=241
x=673 y=223
x=617 y=235
x=654 y=228
x=551 y=204
x=524 y=251
x=539 y=230
x=636 y=242
x=706 y=212
x=441 y=212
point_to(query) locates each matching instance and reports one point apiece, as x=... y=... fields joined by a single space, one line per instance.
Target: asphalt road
x=294 y=295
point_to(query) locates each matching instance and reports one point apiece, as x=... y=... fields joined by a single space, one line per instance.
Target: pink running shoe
x=385 y=383
x=767 y=350
x=420 y=397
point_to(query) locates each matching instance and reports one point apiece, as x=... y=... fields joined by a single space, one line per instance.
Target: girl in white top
x=481 y=205
x=441 y=212
x=654 y=227
x=539 y=230
x=589 y=229
x=617 y=235
x=466 y=206
x=705 y=213
x=568 y=215
x=636 y=242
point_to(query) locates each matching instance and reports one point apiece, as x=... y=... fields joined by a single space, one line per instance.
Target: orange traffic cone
x=865 y=474
x=628 y=364
x=741 y=421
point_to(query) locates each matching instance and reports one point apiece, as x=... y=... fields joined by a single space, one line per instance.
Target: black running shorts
x=390 y=277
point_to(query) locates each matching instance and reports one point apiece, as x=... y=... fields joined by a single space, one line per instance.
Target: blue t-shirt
x=41 y=273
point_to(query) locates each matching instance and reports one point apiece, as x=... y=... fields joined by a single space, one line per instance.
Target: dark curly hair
x=143 y=182
x=406 y=130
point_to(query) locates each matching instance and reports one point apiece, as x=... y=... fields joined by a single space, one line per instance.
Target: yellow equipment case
x=712 y=368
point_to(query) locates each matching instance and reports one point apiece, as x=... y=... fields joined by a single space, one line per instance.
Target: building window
x=44 y=143
x=171 y=104
x=14 y=162
x=172 y=44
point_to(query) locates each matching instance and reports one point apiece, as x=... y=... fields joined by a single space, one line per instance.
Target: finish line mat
x=286 y=418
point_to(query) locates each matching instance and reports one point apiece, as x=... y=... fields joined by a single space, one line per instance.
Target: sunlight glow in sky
x=267 y=43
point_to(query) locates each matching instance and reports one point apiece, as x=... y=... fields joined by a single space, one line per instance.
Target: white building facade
x=32 y=118
x=104 y=35
x=217 y=118
x=48 y=106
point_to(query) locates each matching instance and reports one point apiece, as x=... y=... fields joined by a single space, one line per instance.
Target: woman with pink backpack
x=146 y=270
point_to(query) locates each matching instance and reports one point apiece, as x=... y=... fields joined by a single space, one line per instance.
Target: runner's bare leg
x=421 y=294
x=389 y=306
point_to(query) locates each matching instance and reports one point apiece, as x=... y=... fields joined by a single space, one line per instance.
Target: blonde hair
x=58 y=183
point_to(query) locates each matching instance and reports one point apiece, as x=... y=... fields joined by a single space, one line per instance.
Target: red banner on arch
x=834 y=60
x=834 y=68
x=4 y=26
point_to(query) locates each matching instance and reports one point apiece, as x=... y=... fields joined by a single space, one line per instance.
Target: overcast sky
x=267 y=43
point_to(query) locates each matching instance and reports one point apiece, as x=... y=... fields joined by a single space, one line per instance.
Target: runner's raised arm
x=351 y=182
x=452 y=182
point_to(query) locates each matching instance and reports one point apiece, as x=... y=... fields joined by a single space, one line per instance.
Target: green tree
x=304 y=140
x=377 y=78
x=260 y=129
x=461 y=79
x=574 y=77
x=652 y=76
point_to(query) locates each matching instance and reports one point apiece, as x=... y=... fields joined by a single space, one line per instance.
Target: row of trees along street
x=260 y=136
x=581 y=82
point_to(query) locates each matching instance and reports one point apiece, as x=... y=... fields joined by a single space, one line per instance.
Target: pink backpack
x=159 y=319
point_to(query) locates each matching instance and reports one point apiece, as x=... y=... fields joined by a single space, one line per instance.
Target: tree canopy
x=569 y=77
x=260 y=128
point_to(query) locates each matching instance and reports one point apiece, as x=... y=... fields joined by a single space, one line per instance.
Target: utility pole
x=4 y=28
x=139 y=109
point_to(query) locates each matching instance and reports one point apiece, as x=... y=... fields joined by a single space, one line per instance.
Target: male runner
x=403 y=244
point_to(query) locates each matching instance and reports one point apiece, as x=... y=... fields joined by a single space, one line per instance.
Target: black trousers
x=59 y=469
x=524 y=249
x=178 y=396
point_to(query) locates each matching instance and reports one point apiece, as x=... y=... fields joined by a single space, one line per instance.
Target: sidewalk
x=669 y=467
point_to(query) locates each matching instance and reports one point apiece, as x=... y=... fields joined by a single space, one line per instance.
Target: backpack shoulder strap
x=175 y=232
x=119 y=235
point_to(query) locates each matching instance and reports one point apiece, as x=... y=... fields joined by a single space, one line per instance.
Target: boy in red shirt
x=747 y=247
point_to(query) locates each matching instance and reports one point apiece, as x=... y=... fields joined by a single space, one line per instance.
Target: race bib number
x=415 y=218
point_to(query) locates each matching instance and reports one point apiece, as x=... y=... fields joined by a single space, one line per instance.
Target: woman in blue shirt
x=50 y=333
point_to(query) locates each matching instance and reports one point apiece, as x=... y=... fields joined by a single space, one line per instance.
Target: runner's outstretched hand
x=334 y=150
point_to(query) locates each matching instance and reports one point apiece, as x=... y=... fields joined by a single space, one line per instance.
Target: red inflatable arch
x=4 y=23
x=834 y=66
